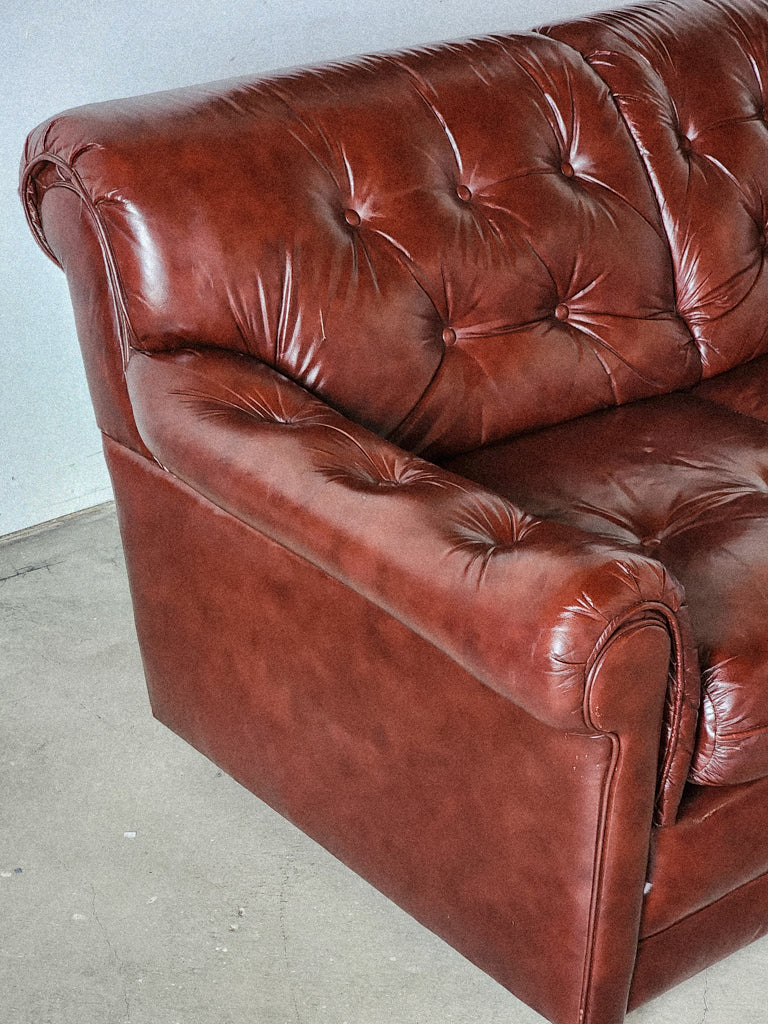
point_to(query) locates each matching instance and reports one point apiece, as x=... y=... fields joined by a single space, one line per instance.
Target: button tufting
x=449 y=336
x=464 y=193
x=352 y=217
x=561 y=311
x=566 y=169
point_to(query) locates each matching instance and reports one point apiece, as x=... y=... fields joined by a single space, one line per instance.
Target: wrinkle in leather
x=540 y=597
x=439 y=264
x=686 y=482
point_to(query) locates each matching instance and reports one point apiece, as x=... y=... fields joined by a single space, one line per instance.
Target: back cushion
x=448 y=245
x=691 y=80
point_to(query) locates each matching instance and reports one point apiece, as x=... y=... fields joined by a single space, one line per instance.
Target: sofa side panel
x=523 y=846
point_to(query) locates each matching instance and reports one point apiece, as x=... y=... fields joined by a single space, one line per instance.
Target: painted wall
x=61 y=55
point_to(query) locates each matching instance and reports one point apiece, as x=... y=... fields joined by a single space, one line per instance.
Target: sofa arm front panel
x=69 y=228
x=524 y=604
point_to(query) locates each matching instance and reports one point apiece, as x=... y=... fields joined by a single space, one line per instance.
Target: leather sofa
x=434 y=391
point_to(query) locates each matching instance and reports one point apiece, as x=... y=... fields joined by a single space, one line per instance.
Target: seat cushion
x=685 y=481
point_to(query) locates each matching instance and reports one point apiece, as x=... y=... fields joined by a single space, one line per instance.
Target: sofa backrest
x=691 y=80
x=449 y=245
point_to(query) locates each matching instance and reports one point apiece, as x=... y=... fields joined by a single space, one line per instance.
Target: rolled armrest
x=524 y=604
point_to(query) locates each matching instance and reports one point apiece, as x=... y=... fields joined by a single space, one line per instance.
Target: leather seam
x=706 y=907
x=743 y=734
x=402 y=427
x=678 y=656
x=75 y=184
x=598 y=874
x=724 y=405
x=698 y=771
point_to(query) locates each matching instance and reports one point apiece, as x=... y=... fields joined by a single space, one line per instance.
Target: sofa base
x=700 y=940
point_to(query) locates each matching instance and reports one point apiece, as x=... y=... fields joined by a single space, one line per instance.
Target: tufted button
x=566 y=169
x=464 y=193
x=685 y=144
x=490 y=525
x=561 y=311
x=449 y=336
x=371 y=469
x=650 y=542
x=352 y=217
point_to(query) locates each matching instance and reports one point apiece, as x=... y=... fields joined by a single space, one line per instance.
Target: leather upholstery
x=536 y=600
x=691 y=81
x=743 y=389
x=520 y=687
x=475 y=816
x=686 y=482
x=719 y=827
x=378 y=275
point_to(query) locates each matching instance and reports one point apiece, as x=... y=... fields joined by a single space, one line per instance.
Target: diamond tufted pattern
x=438 y=262
x=521 y=687
x=698 y=114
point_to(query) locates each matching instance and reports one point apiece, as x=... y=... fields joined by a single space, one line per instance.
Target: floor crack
x=283 y=904
x=25 y=569
x=704 y=997
x=113 y=954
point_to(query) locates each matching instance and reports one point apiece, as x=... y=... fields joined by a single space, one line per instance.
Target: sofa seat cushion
x=685 y=481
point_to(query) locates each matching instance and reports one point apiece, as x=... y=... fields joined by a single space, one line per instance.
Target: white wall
x=61 y=55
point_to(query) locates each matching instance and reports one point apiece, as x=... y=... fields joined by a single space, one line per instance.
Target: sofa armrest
x=525 y=605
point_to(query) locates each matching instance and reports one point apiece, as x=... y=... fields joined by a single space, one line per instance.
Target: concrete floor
x=140 y=885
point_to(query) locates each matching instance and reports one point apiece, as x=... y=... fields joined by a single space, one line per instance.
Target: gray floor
x=140 y=885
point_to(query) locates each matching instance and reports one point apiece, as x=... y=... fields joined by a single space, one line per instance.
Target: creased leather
x=686 y=482
x=443 y=265
x=691 y=81
x=521 y=602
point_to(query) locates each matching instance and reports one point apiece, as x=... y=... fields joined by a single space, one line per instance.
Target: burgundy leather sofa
x=434 y=390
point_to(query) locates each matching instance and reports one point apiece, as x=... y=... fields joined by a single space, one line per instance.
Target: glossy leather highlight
x=297 y=234
x=685 y=482
x=432 y=387
x=697 y=111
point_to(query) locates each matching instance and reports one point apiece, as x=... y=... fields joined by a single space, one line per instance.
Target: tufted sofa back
x=449 y=245
x=691 y=81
